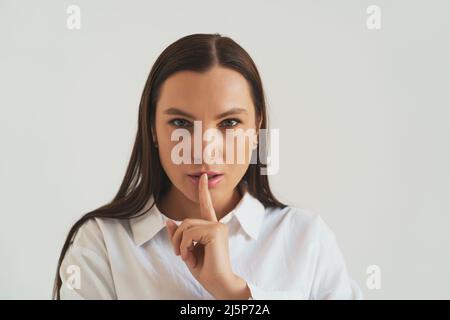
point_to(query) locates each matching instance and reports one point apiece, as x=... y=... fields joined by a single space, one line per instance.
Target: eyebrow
x=176 y=111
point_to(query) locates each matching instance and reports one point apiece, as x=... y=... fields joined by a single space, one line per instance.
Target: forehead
x=216 y=90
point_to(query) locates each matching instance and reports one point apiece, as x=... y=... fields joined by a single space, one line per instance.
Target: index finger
x=206 y=207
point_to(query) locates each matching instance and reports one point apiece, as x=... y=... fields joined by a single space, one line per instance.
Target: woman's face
x=220 y=99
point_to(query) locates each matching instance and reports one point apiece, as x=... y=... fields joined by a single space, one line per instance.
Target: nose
x=210 y=148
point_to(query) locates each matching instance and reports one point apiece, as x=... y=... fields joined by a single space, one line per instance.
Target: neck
x=176 y=206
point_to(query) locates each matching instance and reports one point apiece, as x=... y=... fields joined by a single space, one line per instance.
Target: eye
x=180 y=123
x=229 y=123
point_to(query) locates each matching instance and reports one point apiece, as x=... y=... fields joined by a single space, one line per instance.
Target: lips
x=211 y=174
x=214 y=177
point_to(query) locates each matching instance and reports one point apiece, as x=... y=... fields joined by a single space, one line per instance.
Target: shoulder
x=301 y=221
x=94 y=232
x=88 y=235
x=295 y=216
x=86 y=264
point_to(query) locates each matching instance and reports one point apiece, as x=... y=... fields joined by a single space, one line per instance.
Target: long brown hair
x=145 y=176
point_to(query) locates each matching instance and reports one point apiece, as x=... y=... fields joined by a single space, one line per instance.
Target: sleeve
x=85 y=270
x=331 y=279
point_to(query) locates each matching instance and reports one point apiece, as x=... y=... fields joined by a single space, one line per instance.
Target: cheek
x=235 y=172
x=165 y=147
x=239 y=151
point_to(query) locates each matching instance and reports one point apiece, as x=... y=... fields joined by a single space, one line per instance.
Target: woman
x=226 y=235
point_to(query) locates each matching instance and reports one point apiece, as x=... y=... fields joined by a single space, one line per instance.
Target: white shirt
x=285 y=253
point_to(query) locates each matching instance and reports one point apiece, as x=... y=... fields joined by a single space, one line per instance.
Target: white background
x=363 y=118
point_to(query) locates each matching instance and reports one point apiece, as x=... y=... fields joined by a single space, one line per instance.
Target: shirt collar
x=249 y=212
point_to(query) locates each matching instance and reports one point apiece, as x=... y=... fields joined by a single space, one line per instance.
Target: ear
x=155 y=141
x=258 y=127
x=259 y=124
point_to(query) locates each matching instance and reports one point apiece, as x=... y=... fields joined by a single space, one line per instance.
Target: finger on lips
x=182 y=236
x=206 y=207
